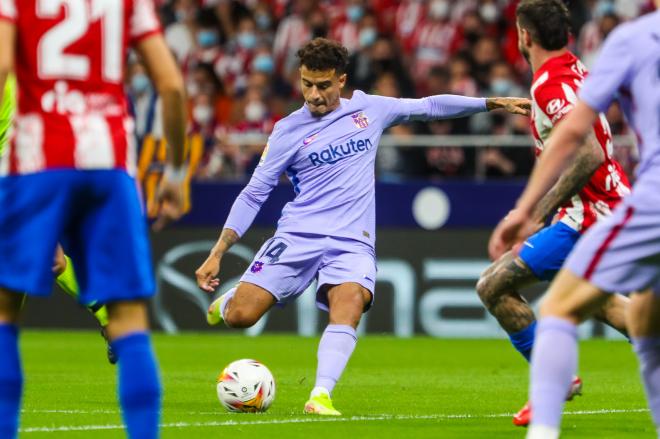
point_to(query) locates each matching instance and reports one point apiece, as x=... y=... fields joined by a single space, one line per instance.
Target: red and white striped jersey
x=554 y=95
x=70 y=60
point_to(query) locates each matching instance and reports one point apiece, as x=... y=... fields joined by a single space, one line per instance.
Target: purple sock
x=335 y=348
x=648 y=352
x=554 y=363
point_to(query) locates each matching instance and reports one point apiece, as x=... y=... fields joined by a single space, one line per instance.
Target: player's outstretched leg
x=138 y=380
x=346 y=303
x=570 y=301
x=66 y=279
x=241 y=306
x=644 y=327
x=11 y=375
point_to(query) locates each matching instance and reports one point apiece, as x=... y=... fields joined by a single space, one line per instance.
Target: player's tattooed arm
x=228 y=237
x=587 y=160
x=520 y=106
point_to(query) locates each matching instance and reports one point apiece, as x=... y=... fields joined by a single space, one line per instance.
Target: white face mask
x=439 y=9
x=202 y=114
x=255 y=111
x=192 y=88
x=489 y=12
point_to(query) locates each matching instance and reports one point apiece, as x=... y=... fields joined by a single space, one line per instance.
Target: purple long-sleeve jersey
x=330 y=162
x=628 y=67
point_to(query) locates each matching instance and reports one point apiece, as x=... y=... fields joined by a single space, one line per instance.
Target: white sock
x=542 y=432
x=316 y=391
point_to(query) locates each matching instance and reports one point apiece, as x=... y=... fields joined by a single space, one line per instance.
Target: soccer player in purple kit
x=620 y=253
x=327 y=149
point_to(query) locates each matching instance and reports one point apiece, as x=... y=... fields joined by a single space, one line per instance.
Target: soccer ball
x=246 y=386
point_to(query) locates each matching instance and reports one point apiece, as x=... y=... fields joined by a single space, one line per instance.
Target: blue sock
x=11 y=381
x=139 y=385
x=524 y=340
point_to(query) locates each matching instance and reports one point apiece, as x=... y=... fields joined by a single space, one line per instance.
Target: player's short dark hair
x=547 y=21
x=324 y=54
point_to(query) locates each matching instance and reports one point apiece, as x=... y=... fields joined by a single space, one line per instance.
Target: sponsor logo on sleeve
x=558 y=108
x=554 y=106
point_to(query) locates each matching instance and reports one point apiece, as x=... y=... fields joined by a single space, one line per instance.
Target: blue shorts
x=289 y=262
x=546 y=250
x=98 y=218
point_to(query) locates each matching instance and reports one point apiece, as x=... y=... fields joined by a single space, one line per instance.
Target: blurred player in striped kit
x=68 y=176
x=620 y=253
x=62 y=267
x=587 y=192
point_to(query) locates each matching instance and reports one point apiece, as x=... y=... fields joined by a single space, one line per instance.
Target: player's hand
x=59 y=264
x=522 y=106
x=169 y=198
x=207 y=273
x=514 y=228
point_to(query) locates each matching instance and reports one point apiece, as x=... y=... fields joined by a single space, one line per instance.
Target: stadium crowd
x=241 y=74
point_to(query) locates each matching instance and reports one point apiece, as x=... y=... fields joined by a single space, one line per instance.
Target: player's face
x=523 y=37
x=321 y=89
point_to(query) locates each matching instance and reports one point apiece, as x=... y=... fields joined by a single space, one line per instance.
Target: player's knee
x=350 y=299
x=487 y=291
x=236 y=317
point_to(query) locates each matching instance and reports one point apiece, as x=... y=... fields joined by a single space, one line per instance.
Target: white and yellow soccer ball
x=246 y=386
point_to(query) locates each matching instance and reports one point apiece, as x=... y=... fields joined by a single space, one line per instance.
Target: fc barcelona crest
x=360 y=120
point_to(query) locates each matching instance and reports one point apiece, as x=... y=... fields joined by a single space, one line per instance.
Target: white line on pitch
x=306 y=420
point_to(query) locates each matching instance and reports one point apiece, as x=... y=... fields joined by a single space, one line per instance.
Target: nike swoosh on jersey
x=310 y=139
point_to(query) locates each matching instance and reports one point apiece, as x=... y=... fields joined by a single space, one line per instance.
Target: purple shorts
x=621 y=253
x=289 y=262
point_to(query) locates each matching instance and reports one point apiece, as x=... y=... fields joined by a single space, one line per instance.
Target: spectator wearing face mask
x=292 y=32
x=262 y=61
x=408 y=16
x=237 y=149
x=433 y=39
x=595 y=31
x=203 y=119
x=347 y=28
x=256 y=120
x=202 y=130
x=232 y=65
x=502 y=81
x=180 y=35
x=145 y=104
x=265 y=22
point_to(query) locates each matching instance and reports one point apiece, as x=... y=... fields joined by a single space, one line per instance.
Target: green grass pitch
x=393 y=388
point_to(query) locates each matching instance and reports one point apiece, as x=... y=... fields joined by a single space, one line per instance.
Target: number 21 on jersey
x=54 y=63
